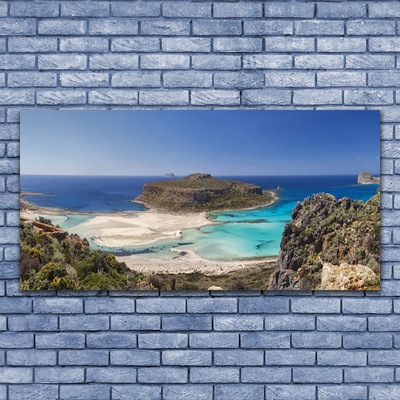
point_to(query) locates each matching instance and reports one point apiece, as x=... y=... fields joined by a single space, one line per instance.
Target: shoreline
x=188 y=262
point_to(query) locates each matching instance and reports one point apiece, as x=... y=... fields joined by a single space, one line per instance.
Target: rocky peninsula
x=201 y=192
x=330 y=244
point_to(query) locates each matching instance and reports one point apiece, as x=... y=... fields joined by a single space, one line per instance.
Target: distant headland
x=169 y=175
x=365 y=178
x=201 y=192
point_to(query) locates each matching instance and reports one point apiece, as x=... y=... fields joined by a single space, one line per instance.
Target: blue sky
x=236 y=142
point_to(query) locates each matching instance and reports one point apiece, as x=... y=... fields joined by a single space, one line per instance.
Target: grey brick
x=214 y=339
x=93 y=391
x=32 y=44
x=83 y=357
x=32 y=323
x=341 y=11
x=290 y=357
x=61 y=97
x=368 y=374
x=265 y=340
x=365 y=27
x=16 y=375
x=19 y=26
x=367 y=341
x=85 y=9
x=135 y=357
x=135 y=44
x=135 y=322
x=111 y=375
x=112 y=26
x=238 y=357
x=163 y=340
x=341 y=323
x=268 y=27
x=386 y=323
x=114 y=61
x=320 y=305
x=17 y=61
x=164 y=61
x=109 y=305
x=61 y=61
x=186 y=357
x=186 y=79
x=183 y=9
x=216 y=27
x=382 y=10
x=238 y=10
x=164 y=28
x=319 y=61
x=214 y=375
x=61 y=27
x=264 y=305
x=60 y=375
x=241 y=323
x=342 y=358
x=60 y=340
x=288 y=10
x=342 y=78
x=367 y=306
x=216 y=62
x=237 y=45
x=384 y=44
x=179 y=392
x=187 y=323
x=317 y=375
x=31 y=357
x=32 y=79
x=194 y=45
x=136 y=392
x=33 y=391
x=289 y=323
x=135 y=9
x=316 y=27
x=368 y=97
x=263 y=375
x=289 y=79
x=322 y=340
x=289 y=392
x=153 y=97
x=163 y=375
x=34 y=9
x=288 y=44
x=370 y=61
x=215 y=97
x=109 y=96
x=87 y=45
x=239 y=392
x=83 y=79
x=341 y=45
x=104 y=340
x=345 y=392
x=57 y=306
x=384 y=357
x=266 y=96
x=84 y=323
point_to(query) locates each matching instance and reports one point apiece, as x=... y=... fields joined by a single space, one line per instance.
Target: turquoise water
x=240 y=234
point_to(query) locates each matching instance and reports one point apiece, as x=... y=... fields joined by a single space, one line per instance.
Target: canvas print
x=200 y=200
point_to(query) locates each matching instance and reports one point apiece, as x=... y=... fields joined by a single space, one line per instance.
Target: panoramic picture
x=200 y=200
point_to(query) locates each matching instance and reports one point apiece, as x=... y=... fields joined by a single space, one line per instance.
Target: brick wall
x=199 y=345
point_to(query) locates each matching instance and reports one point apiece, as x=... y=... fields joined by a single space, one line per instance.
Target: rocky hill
x=202 y=192
x=365 y=178
x=330 y=244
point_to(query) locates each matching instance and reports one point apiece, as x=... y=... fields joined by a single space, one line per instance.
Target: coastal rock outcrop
x=365 y=178
x=342 y=234
x=201 y=192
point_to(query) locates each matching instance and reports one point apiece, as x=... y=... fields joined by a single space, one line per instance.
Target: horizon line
x=179 y=175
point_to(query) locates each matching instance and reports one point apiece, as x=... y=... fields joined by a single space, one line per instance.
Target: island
x=365 y=178
x=169 y=175
x=201 y=192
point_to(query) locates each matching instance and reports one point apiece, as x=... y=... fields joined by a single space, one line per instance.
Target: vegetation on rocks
x=202 y=192
x=50 y=261
x=326 y=230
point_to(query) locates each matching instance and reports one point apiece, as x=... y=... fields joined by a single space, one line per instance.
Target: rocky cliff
x=365 y=178
x=202 y=192
x=330 y=244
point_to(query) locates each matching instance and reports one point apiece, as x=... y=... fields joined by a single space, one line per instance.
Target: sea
x=244 y=234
